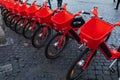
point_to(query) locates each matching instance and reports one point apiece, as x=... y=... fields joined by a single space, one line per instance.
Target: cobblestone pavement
x=27 y=63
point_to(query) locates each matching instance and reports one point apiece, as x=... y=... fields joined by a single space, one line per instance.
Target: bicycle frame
x=41 y=17
x=27 y=14
x=93 y=36
x=102 y=46
x=107 y=52
x=64 y=25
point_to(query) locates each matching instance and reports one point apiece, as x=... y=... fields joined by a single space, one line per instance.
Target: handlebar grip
x=118 y=49
x=86 y=13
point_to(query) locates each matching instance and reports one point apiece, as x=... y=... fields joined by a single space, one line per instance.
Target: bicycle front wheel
x=20 y=25
x=8 y=18
x=13 y=22
x=3 y=11
x=55 y=46
x=41 y=37
x=75 y=71
x=27 y=31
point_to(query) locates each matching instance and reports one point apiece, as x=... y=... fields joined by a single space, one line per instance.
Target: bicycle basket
x=18 y=5
x=22 y=9
x=62 y=20
x=94 y=32
x=44 y=14
x=31 y=10
x=12 y=6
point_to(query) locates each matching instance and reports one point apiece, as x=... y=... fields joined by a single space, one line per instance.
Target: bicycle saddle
x=77 y=22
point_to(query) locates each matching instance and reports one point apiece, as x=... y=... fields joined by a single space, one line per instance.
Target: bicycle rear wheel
x=41 y=37
x=20 y=25
x=55 y=47
x=75 y=71
x=27 y=31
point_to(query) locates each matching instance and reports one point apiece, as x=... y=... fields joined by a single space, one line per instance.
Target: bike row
x=38 y=23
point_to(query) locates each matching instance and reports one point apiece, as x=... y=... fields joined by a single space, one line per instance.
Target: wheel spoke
x=72 y=72
x=37 y=42
x=55 y=47
x=41 y=37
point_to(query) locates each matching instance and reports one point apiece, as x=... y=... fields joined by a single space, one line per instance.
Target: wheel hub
x=40 y=35
x=81 y=62
x=21 y=24
x=30 y=28
x=56 y=44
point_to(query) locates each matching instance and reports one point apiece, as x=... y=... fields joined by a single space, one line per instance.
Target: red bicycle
x=43 y=16
x=9 y=10
x=92 y=35
x=5 y=4
x=42 y=35
x=26 y=18
x=65 y=23
x=19 y=12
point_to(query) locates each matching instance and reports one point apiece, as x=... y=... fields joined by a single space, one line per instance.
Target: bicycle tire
x=3 y=11
x=38 y=40
x=3 y=16
x=19 y=26
x=6 y=14
x=7 y=19
x=13 y=22
x=49 y=54
x=27 y=31
x=77 y=64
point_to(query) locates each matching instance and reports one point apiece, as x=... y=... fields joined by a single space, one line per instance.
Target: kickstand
x=118 y=69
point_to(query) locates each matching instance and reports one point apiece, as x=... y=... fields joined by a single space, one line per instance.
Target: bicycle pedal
x=112 y=70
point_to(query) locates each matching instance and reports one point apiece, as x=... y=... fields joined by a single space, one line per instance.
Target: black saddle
x=77 y=22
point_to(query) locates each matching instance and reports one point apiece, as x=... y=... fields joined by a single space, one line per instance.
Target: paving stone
x=106 y=77
x=6 y=68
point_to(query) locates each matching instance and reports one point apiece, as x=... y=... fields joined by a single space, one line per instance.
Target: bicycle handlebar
x=63 y=7
x=34 y=2
x=59 y=9
x=84 y=12
x=117 y=24
x=81 y=12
